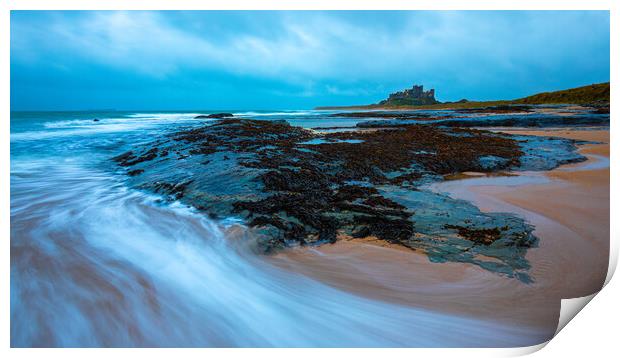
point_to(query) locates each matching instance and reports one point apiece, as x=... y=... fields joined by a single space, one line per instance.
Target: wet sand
x=569 y=207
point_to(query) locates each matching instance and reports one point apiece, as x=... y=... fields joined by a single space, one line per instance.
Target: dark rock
x=508 y=108
x=313 y=186
x=129 y=159
x=601 y=110
x=214 y=115
x=133 y=173
x=479 y=236
x=529 y=120
x=387 y=114
x=123 y=157
x=176 y=190
x=360 y=183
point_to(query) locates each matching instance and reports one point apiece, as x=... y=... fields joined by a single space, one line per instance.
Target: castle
x=413 y=96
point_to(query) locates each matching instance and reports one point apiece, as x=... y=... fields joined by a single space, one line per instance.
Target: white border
x=594 y=330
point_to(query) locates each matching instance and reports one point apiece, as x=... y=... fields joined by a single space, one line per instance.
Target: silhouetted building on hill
x=413 y=96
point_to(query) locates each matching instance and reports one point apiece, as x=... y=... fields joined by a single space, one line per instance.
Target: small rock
x=214 y=115
x=135 y=172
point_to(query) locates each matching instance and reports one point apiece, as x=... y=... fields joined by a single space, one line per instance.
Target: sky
x=81 y=60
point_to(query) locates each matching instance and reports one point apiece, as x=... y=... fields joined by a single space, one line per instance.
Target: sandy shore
x=569 y=207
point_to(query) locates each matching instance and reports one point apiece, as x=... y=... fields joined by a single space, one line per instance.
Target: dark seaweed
x=361 y=183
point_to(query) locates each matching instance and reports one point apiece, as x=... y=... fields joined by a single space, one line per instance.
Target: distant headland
x=416 y=98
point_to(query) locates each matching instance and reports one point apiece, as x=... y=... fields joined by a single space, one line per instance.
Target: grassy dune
x=580 y=95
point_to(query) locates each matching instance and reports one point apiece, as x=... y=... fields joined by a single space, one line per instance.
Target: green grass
x=580 y=95
x=595 y=93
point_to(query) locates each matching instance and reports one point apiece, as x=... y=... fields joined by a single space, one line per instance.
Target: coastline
x=585 y=95
x=569 y=207
x=189 y=268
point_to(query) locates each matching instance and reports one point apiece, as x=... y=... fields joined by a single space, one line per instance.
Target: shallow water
x=96 y=263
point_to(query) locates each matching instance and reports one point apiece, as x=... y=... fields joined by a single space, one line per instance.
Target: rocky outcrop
x=294 y=186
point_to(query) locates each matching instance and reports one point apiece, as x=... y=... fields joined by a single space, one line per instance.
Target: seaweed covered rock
x=214 y=115
x=300 y=187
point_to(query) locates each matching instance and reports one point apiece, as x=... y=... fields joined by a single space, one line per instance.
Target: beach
x=168 y=218
x=569 y=207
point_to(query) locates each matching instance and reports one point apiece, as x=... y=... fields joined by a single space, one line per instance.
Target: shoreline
x=425 y=107
x=583 y=95
x=569 y=237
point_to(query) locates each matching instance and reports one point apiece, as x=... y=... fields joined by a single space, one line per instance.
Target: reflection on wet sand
x=569 y=207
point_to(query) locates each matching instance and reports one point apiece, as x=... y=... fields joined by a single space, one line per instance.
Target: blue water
x=96 y=263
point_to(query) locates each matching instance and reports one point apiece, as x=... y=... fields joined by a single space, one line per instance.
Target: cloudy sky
x=279 y=60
